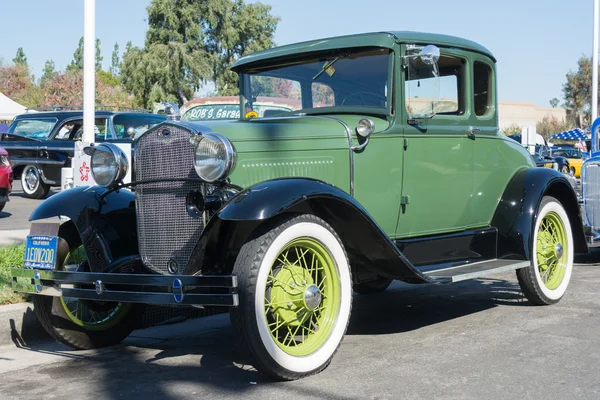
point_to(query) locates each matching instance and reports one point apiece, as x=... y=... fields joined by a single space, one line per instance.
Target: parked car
x=40 y=144
x=228 y=107
x=6 y=178
x=544 y=157
x=574 y=156
x=379 y=176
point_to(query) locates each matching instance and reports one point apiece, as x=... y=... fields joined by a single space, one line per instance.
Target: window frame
x=492 y=88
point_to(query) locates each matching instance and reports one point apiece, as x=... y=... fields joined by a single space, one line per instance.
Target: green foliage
x=192 y=42
x=9 y=256
x=554 y=102
x=577 y=93
x=18 y=85
x=107 y=78
x=77 y=62
x=549 y=125
x=115 y=67
x=20 y=58
x=511 y=130
x=49 y=71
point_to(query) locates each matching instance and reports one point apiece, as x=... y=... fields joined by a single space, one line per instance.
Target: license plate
x=41 y=246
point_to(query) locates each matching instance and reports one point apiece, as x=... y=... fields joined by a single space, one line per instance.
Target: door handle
x=473 y=130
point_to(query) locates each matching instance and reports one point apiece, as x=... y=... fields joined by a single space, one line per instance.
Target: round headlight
x=214 y=157
x=109 y=164
x=365 y=127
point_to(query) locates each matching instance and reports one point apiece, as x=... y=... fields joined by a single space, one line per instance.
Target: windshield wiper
x=326 y=67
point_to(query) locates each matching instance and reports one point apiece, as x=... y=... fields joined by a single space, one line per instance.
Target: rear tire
x=32 y=184
x=546 y=279
x=295 y=291
x=84 y=324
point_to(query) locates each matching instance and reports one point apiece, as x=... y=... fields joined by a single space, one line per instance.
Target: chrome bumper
x=129 y=288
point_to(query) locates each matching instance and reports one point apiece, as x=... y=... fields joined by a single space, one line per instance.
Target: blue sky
x=536 y=42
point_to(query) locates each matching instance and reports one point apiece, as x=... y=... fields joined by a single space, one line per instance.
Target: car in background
x=574 y=156
x=6 y=178
x=41 y=144
x=543 y=157
x=228 y=107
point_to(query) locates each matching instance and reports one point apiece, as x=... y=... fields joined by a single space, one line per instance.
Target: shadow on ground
x=208 y=364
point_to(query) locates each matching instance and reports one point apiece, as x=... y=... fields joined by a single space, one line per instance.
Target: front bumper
x=129 y=288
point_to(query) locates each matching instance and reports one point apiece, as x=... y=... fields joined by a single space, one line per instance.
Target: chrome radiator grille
x=591 y=192
x=167 y=235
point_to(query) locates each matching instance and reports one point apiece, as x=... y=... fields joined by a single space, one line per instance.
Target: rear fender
x=107 y=226
x=517 y=211
x=261 y=207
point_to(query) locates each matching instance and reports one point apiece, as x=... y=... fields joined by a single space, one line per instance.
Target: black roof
x=62 y=115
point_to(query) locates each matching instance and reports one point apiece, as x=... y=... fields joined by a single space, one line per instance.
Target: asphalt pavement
x=14 y=219
x=472 y=340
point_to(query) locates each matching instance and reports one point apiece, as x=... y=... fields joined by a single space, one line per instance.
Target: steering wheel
x=361 y=97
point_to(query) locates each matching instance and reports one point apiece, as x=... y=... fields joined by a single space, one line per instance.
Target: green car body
x=387 y=165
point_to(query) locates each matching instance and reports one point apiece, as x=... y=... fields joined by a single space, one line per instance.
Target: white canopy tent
x=9 y=109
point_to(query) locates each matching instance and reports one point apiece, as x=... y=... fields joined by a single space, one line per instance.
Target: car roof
x=374 y=39
x=61 y=115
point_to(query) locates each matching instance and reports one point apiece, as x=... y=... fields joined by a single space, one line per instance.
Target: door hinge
x=405 y=143
x=404 y=200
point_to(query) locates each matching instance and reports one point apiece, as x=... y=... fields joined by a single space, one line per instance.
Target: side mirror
x=429 y=55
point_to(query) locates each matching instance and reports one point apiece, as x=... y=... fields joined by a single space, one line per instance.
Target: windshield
x=339 y=82
x=33 y=128
x=128 y=126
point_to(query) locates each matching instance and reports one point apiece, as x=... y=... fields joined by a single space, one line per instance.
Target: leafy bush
x=9 y=256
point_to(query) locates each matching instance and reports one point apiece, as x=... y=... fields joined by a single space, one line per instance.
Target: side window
x=68 y=129
x=482 y=74
x=322 y=95
x=101 y=131
x=427 y=93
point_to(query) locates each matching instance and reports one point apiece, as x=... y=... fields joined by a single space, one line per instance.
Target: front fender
x=259 y=208
x=517 y=211
x=107 y=226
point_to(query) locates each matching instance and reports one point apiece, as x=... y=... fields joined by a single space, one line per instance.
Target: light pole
x=595 y=65
x=89 y=70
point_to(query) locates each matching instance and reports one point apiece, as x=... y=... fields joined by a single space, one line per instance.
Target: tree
x=77 y=62
x=511 y=130
x=549 y=125
x=17 y=84
x=577 y=92
x=192 y=42
x=49 y=71
x=20 y=58
x=554 y=102
x=115 y=66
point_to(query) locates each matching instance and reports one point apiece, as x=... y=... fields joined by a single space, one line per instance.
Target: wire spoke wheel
x=302 y=296
x=552 y=250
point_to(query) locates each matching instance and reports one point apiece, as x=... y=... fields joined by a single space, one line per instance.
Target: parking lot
x=477 y=339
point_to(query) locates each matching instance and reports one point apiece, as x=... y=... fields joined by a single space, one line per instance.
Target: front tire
x=546 y=280
x=295 y=290
x=84 y=324
x=32 y=184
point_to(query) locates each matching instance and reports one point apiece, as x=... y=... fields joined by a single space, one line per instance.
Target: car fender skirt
x=517 y=211
x=264 y=205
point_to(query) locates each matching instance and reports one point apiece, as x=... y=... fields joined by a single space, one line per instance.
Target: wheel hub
x=559 y=250
x=31 y=179
x=312 y=297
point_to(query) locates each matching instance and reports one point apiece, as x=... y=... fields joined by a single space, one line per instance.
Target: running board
x=475 y=270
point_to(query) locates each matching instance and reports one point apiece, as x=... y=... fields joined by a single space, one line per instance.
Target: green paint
x=298 y=325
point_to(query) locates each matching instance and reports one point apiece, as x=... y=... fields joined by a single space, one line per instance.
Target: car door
x=438 y=151
x=56 y=152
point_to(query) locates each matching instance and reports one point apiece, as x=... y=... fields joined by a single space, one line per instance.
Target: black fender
x=562 y=161
x=517 y=211
x=107 y=226
x=261 y=206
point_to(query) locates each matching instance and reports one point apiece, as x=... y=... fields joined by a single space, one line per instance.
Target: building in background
x=525 y=114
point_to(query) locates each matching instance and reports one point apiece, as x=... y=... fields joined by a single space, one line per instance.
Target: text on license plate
x=40 y=252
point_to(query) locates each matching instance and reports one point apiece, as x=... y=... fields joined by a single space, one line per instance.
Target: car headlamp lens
x=214 y=157
x=109 y=164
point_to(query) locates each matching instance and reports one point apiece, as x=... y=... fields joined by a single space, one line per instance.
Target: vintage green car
x=391 y=168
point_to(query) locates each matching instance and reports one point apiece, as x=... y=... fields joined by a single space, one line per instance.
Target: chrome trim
x=46 y=180
x=361 y=146
x=120 y=158
x=229 y=150
x=590 y=190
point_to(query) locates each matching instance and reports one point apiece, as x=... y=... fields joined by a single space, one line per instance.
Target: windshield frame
x=387 y=112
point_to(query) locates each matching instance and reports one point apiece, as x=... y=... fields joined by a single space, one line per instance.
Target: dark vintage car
x=544 y=157
x=6 y=178
x=40 y=144
x=377 y=177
